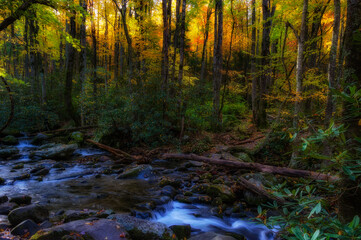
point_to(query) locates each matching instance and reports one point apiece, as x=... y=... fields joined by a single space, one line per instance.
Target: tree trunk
x=83 y=65
x=94 y=42
x=349 y=202
x=217 y=64
x=69 y=74
x=253 y=66
x=332 y=67
x=206 y=34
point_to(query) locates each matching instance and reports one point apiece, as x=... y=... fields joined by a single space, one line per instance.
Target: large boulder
x=86 y=229
x=211 y=236
x=39 y=139
x=21 y=200
x=37 y=213
x=25 y=227
x=8 y=152
x=58 y=152
x=10 y=140
x=140 y=229
x=140 y=171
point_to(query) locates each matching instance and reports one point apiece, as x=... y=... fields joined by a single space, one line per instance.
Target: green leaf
x=315 y=235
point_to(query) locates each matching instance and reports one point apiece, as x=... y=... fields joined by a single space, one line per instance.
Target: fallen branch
x=259 y=190
x=114 y=151
x=12 y=105
x=289 y=172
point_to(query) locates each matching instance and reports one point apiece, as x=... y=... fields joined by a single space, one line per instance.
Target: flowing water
x=77 y=186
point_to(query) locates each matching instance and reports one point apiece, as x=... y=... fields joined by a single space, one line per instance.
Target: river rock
x=39 y=139
x=211 y=236
x=2 y=181
x=222 y=191
x=87 y=229
x=5 y=208
x=4 y=222
x=243 y=157
x=140 y=229
x=27 y=226
x=9 y=140
x=181 y=231
x=140 y=171
x=34 y=212
x=57 y=152
x=21 y=200
x=8 y=152
x=72 y=215
x=3 y=199
x=41 y=172
x=168 y=191
x=77 y=137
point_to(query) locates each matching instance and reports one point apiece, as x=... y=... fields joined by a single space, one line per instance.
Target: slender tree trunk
x=217 y=64
x=204 y=51
x=83 y=55
x=253 y=66
x=69 y=74
x=176 y=37
x=181 y=66
x=94 y=43
x=332 y=67
x=299 y=79
x=165 y=53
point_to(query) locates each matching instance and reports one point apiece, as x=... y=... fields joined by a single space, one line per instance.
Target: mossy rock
x=10 y=140
x=19 y=166
x=77 y=137
x=2 y=181
x=222 y=191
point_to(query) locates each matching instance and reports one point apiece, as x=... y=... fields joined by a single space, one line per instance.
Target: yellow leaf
x=359 y=122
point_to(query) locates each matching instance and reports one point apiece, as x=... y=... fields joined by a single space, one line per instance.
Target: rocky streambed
x=54 y=191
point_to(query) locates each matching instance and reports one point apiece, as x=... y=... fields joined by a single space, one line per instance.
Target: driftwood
x=12 y=105
x=259 y=190
x=115 y=152
x=289 y=172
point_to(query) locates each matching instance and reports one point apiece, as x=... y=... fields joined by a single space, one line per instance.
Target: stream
x=75 y=184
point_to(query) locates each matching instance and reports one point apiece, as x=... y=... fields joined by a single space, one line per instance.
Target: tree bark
x=253 y=66
x=83 y=56
x=217 y=63
x=69 y=75
x=332 y=67
x=206 y=34
x=12 y=105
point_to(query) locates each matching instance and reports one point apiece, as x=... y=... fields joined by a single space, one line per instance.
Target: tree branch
x=21 y=11
x=293 y=29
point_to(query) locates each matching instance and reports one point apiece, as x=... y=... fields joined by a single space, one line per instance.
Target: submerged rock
x=57 y=152
x=140 y=229
x=85 y=229
x=10 y=140
x=36 y=213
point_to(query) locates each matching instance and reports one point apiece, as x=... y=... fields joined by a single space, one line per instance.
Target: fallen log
x=12 y=105
x=69 y=129
x=114 y=151
x=289 y=172
x=259 y=190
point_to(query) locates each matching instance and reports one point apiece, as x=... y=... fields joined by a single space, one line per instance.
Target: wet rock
x=41 y=172
x=21 y=200
x=19 y=166
x=38 y=168
x=25 y=227
x=211 y=236
x=8 y=152
x=183 y=199
x=181 y=231
x=5 y=208
x=176 y=183
x=3 y=199
x=45 y=224
x=222 y=191
x=141 y=214
x=57 y=152
x=2 y=181
x=58 y=165
x=201 y=199
x=250 y=197
x=10 y=140
x=104 y=159
x=4 y=222
x=72 y=215
x=23 y=176
x=39 y=139
x=86 y=229
x=168 y=191
x=34 y=212
x=140 y=171
x=140 y=229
